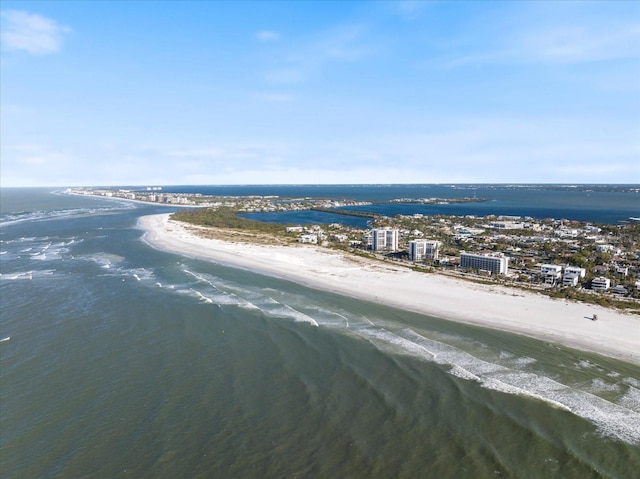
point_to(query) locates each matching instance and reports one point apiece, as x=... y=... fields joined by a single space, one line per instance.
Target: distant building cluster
x=552 y=274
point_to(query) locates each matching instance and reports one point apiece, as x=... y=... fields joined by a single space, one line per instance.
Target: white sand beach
x=614 y=334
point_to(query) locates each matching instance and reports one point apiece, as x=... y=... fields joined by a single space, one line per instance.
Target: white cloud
x=267 y=36
x=439 y=149
x=344 y=44
x=36 y=165
x=35 y=34
x=521 y=42
x=580 y=44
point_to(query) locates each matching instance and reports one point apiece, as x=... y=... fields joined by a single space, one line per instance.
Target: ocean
x=118 y=360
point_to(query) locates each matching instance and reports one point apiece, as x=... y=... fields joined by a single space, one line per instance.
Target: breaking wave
x=43 y=215
x=608 y=400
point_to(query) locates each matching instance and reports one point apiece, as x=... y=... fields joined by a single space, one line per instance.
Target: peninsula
x=490 y=305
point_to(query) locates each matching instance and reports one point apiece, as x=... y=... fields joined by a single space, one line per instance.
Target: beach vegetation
x=226 y=217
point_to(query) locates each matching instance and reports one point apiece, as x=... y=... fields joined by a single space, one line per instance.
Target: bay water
x=118 y=360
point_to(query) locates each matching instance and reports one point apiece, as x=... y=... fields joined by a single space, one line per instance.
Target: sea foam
x=620 y=421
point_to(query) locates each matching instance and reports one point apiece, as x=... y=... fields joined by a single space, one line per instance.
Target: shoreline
x=614 y=335
x=117 y=198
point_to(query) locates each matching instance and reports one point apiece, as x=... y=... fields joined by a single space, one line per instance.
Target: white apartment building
x=551 y=273
x=600 y=283
x=575 y=270
x=493 y=262
x=572 y=275
x=384 y=239
x=506 y=225
x=421 y=249
x=570 y=281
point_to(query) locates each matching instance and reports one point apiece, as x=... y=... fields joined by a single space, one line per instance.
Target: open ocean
x=118 y=360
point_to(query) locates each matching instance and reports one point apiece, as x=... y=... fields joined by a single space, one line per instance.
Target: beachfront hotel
x=384 y=239
x=492 y=262
x=422 y=249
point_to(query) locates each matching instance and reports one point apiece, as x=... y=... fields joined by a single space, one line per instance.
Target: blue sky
x=117 y=93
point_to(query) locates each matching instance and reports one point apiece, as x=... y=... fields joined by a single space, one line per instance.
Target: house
x=621 y=290
x=600 y=283
x=308 y=238
x=572 y=275
x=551 y=273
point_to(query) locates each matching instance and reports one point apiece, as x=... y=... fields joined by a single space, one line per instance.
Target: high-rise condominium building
x=421 y=249
x=384 y=239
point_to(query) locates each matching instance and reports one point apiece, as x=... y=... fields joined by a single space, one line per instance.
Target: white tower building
x=421 y=249
x=384 y=239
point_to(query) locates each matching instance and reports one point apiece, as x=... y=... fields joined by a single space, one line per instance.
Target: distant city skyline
x=168 y=93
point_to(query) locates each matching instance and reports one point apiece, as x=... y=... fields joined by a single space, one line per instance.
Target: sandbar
x=614 y=334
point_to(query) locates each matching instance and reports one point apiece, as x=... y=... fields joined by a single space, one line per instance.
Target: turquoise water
x=124 y=361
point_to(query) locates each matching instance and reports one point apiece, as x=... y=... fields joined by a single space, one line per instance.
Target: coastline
x=128 y=200
x=615 y=334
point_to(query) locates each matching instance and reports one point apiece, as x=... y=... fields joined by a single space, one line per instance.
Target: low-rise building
x=492 y=262
x=622 y=270
x=572 y=275
x=340 y=238
x=575 y=270
x=506 y=225
x=308 y=238
x=551 y=273
x=600 y=283
x=621 y=290
x=570 y=281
